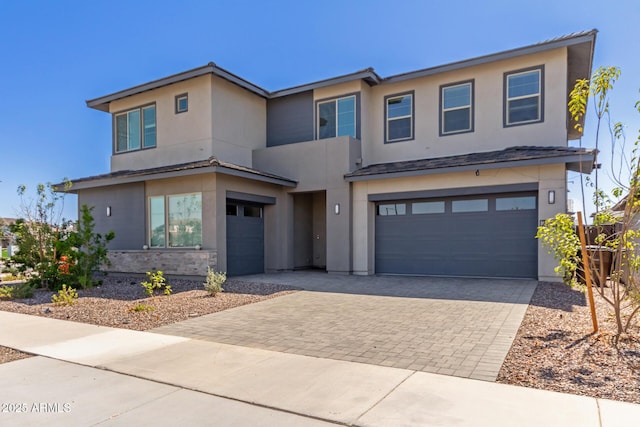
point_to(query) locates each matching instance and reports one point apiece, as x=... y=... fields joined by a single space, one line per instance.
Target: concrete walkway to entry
x=92 y=375
x=451 y=326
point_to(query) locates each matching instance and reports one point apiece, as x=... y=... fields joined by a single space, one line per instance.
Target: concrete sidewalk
x=144 y=378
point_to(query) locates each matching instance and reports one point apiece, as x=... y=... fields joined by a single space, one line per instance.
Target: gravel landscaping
x=554 y=348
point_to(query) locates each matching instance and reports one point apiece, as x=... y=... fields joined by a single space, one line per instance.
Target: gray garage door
x=245 y=238
x=482 y=236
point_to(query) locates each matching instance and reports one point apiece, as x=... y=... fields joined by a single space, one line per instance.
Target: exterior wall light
x=551 y=197
x=145 y=247
x=108 y=210
x=198 y=247
x=336 y=209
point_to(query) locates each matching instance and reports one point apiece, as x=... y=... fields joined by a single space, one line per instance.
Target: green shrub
x=142 y=307
x=21 y=291
x=156 y=282
x=214 y=282
x=65 y=296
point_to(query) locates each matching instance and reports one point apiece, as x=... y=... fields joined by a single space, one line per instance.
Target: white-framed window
x=523 y=96
x=182 y=103
x=336 y=117
x=175 y=221
x=456 y=108
x=398 y=111
x=135 y=129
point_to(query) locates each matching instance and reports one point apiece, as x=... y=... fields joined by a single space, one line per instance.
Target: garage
x=485 y=235
x=245 y=238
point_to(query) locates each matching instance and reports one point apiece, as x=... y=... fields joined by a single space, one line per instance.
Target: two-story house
x=441 y=171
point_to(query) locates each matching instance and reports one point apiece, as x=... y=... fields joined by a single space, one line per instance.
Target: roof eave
x=578 y=163
x=102 y=103
x=84 y=184
x=368 y=75
x=586 y=37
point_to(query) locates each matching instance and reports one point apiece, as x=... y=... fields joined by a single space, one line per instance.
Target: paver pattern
x=451 y=326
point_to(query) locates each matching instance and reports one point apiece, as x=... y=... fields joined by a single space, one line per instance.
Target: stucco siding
x=489 y=132
x=238 y=122
x=127 y=218
x=290 y=119
x=180 y=138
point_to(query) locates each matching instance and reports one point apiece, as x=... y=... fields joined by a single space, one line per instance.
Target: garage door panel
x=486 y=243
x=245 y=244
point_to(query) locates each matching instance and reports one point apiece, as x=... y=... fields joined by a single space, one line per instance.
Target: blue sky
x=57 y=54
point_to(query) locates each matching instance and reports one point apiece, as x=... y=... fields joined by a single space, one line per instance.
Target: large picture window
x=175 y=221
x=398 y=117
x=523 y=97
x=135 y=129
x=337 y=117
x=456 y=108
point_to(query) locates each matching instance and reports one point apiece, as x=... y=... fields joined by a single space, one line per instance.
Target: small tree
x=91 y=248
x=40 y=234
x=622 y=290
x=48 y=245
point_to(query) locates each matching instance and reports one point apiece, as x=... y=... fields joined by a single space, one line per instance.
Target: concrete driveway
x=451 y=326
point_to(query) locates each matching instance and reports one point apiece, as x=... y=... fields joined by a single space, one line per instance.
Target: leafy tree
x=50 y=248
x=622 y=289
x=40 y=234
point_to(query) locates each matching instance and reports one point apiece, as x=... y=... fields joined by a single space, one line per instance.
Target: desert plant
x=214 y=281
x=21 y=291
x=142 y=307
x=65 y=296
x=156 y=282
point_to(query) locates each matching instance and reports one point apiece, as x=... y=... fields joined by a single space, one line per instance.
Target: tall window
x=337 y=117
x=135 y=129
x=175 y=219
x=398 y=117
x=523 y=97
x=456 y=108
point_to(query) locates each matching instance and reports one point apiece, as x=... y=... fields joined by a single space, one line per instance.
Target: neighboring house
x=441 y=171
x=6 y=238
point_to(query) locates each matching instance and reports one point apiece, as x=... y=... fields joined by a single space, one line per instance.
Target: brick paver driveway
x=452 y=326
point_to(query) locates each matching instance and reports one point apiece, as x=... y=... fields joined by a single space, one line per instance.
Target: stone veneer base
x=178 y=262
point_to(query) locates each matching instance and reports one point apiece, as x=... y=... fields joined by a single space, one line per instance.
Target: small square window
x=182 y=103
x=232 y=210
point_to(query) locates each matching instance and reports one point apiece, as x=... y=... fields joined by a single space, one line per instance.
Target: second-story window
x=337 y=117
x=523 y=97
x=398 y=117
x=135 y=129
x=456 y=108
x=182 y=103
